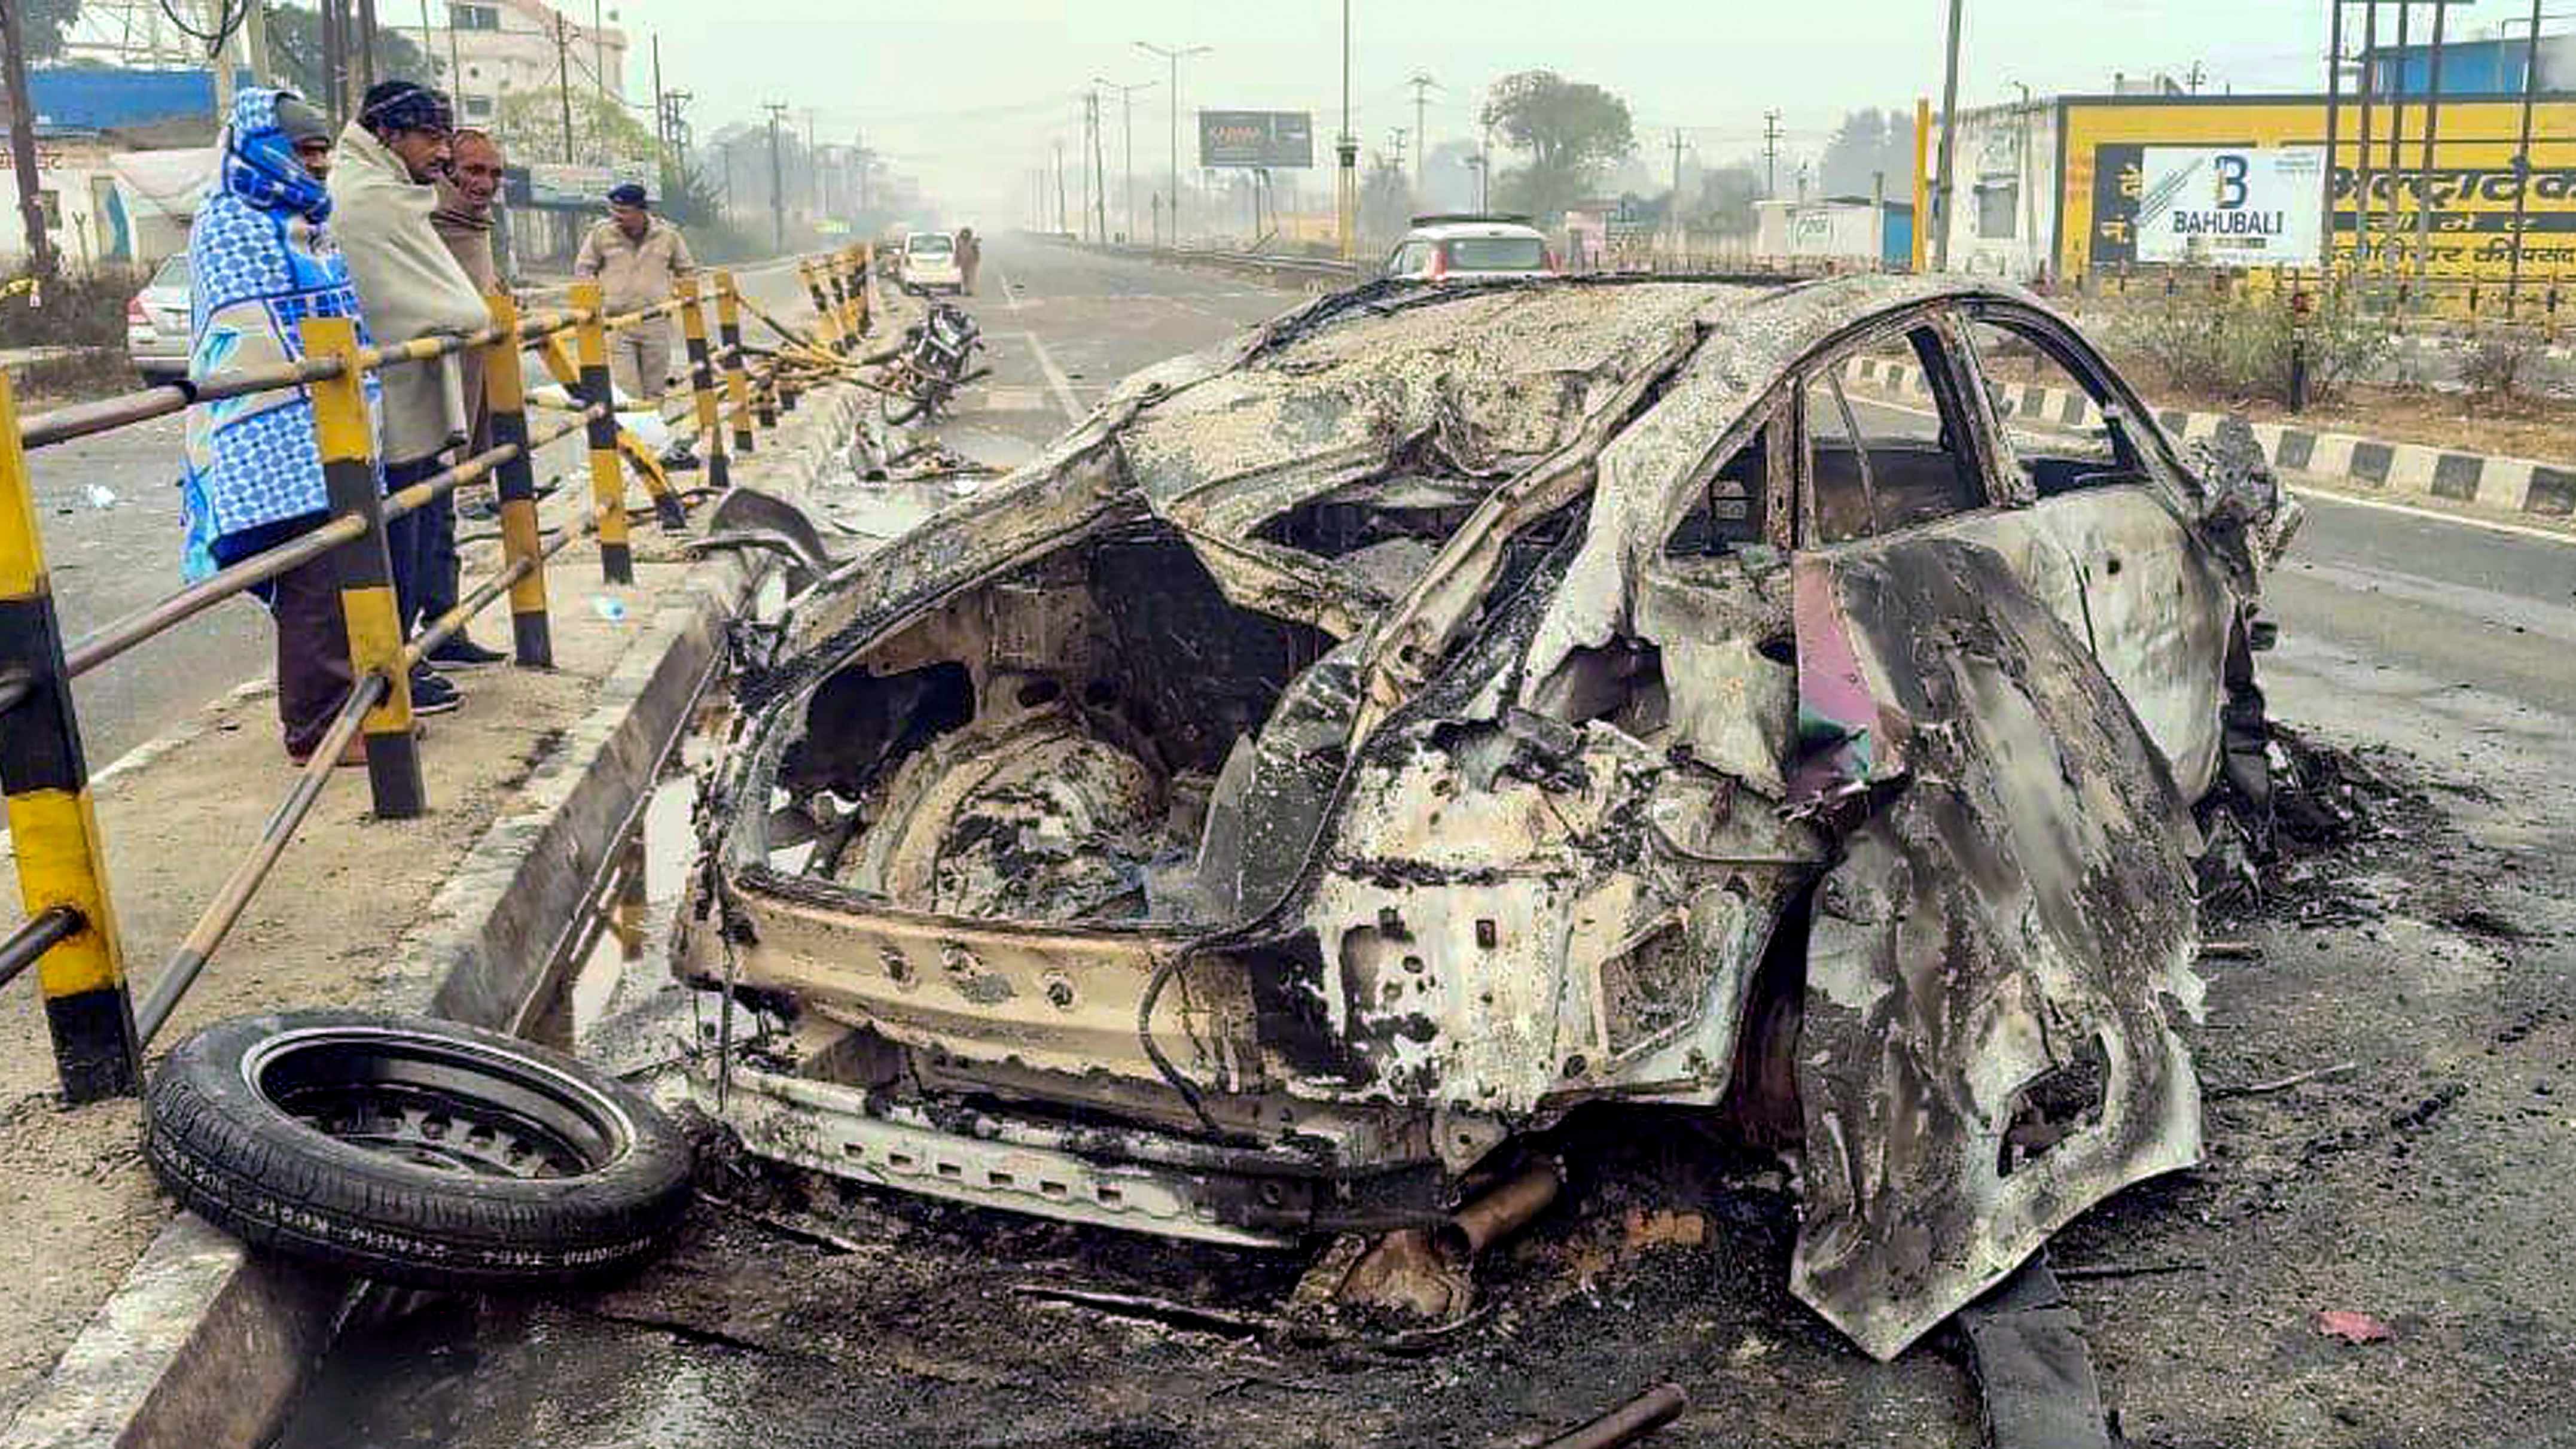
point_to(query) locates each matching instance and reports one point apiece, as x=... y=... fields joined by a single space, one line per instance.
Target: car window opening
x=2063 y=429
x=1875 y=466
x=1496 y=254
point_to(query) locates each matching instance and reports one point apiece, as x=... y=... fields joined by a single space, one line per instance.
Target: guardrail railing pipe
x=737 y=374
x=53 y=827
x=702 y=383
x=347 y=438
x=607 y=479
x=505 y=396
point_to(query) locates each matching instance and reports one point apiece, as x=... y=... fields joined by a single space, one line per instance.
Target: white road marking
x=1009 y=295
x=1055 y=378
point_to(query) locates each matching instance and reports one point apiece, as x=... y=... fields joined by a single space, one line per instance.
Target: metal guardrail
x=70 y=934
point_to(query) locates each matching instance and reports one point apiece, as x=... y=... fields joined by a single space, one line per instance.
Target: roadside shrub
x=2240 y=345
x=80 y=310
x=2497 y=367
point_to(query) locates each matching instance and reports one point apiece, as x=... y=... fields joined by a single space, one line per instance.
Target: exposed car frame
x=1549 y=812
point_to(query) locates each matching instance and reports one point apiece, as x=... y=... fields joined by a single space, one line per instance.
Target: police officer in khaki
x=636 y=257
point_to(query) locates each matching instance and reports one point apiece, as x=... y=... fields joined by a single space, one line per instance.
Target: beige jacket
x=409 y=285
x=634 y=274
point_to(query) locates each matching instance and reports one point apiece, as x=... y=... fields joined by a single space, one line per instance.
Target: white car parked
x=930 y=262
x=1471 y=249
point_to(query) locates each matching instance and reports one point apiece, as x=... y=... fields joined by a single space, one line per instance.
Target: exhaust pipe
x=1499 y=1213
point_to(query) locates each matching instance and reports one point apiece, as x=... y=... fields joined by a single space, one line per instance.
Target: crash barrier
x=70 y=936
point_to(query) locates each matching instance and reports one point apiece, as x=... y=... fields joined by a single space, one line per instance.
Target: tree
x=1386 y=203
x=1869 y=145
x=295 y=51
x=1568 y=129
x=529 y=125
x=1726 y=198
x=44 y=23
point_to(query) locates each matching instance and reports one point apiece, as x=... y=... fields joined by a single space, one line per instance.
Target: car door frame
x=1951 y=387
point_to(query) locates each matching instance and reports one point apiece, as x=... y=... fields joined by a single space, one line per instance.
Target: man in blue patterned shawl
x=259 y=262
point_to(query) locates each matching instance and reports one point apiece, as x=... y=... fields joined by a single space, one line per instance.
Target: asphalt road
x=2446 y=638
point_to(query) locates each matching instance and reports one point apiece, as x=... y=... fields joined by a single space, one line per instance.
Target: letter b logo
x=2231 y=181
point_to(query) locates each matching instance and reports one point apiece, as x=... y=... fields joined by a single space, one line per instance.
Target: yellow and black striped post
x=865 y=320
x=827 y=321
x=607 y=480
x=347 y=439
x=702 y=383
x=62 y=862
x=737 y=378
x=505 y=393
x=841 y=292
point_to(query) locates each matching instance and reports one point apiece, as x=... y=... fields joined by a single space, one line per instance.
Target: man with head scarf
x=411 y=287
x=463 y=219
x=638 y=259
x=259 y=262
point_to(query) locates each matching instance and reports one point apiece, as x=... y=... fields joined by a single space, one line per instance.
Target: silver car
x=156 y=323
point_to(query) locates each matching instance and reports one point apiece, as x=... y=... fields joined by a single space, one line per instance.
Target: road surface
x=2421 y=1181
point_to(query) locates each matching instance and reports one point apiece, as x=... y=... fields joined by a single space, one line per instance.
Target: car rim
x=448 y=1105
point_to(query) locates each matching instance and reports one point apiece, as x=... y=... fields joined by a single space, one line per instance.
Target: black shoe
x=460 y=652
x=431 y=694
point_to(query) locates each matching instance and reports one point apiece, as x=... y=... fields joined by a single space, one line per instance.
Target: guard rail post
x=347 y=440
x=853 y=294
x=737 y=378
x=62 y=862
x=867 y=291
x=607 y=476
x=702 y=383
x=825 y=319
x=505 y=395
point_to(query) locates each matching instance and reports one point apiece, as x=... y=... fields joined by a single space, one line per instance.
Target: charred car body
x=1357 y=746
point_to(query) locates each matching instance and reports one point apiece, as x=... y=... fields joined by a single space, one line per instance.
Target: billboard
x=567 y=186
x=2105 y=180
x=1274 y=140
x=2237 y=206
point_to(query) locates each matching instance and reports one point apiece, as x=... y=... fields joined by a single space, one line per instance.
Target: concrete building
x=2002 y=214
x=497 y=48
x=1839 y=229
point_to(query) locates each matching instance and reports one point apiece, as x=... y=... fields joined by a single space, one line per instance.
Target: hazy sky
x=971 y=94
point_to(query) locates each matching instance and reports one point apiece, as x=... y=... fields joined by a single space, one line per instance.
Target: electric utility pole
x=1346 y=147
x=563 y=80
x=1770 y=155
x=1100 y=172
x=777 y=177
x=1127 y=139
x=599 y=50
x=1676 y=207
x=1422 y=83
x=1175 y=56
x=1949 y=147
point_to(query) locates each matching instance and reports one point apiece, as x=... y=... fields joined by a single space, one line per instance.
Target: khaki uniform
x=633 y=275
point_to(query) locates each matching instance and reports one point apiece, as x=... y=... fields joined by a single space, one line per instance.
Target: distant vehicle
x=890 y=248
x=930 y=262
x=1470 y=249
x=156 y=324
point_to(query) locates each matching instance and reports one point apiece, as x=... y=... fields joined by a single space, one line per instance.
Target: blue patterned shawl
x=259 y=262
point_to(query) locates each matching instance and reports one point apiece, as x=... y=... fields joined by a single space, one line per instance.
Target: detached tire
x=424 y=1153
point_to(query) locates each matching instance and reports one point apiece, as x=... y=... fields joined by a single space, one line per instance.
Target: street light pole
x=1347 y=149
x=1174 y=56
x=1127 y=137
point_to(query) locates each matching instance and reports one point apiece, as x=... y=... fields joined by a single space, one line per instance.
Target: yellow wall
x=2473 y=190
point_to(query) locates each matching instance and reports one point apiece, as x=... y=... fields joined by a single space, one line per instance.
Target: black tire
x=424 y=1153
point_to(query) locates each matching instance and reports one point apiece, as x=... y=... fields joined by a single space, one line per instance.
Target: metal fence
x=70 y=934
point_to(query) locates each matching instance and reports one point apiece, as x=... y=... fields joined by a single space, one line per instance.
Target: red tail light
x=1440 y=261
x=1547 y=258
x=135 y=314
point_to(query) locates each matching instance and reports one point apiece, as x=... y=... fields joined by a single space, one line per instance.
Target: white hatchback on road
x=1470 y=249
x=930 y=262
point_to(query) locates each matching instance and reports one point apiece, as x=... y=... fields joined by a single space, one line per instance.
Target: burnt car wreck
x=1354 y=748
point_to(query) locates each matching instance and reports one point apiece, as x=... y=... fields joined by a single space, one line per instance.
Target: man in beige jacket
x=637 y=258
x=409 y=286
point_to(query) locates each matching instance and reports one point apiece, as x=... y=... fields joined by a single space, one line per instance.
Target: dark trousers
x=313 y=675
x=421 y=546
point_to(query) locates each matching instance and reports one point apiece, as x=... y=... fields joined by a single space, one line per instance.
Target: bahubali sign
x=2243 y=206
